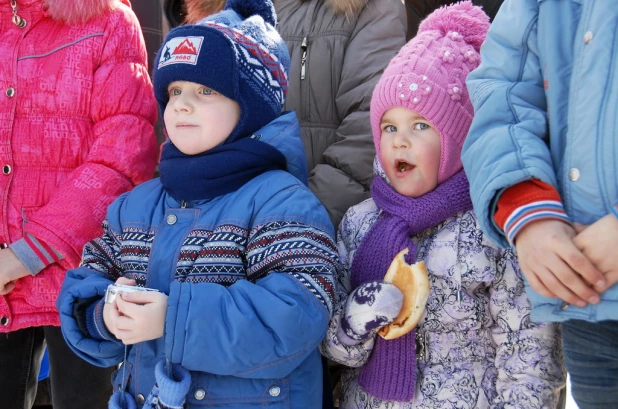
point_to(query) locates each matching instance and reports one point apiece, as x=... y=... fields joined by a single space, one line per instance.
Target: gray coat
x=348 y=45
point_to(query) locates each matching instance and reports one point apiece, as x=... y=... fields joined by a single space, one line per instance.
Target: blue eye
x=390 y=128
x=421 y=126
x=174 y=92
x=207 y=91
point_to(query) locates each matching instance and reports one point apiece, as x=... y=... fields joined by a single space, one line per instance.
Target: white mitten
x=368 y=308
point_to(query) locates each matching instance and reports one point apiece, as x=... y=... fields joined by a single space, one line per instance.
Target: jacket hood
x=284 y=134
x=80 y=11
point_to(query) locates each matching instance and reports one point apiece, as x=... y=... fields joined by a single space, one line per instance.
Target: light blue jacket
x=545 y=98
x=250 y=282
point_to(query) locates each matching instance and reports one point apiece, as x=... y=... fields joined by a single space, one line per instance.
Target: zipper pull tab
x=303 y=59
x=17 y=20
x=421 y=346
x=183 y=204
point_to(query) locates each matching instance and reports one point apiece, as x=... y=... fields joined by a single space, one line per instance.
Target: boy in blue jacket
x=541 y=158
x=241 y=252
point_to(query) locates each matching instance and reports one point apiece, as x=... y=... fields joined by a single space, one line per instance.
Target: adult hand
x=554 y=266
x=11 y=270
x=598 y=243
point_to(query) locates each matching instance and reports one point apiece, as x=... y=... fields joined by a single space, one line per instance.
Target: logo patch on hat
x=181 y=50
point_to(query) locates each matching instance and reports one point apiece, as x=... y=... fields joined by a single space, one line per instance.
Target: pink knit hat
x=428 y=76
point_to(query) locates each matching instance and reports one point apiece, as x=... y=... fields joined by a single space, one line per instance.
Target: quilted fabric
x=76 y=130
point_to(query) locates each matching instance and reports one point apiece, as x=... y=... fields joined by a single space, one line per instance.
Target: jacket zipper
x=303 y=58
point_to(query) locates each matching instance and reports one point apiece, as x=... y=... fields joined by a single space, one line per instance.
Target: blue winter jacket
x=250 y=282
x=545 y=98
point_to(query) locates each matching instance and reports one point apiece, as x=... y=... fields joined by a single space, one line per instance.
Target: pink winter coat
x=76 y=130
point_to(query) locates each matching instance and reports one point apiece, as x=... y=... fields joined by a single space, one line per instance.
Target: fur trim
x=351 y=8
x=78 y=11
x=198 y=9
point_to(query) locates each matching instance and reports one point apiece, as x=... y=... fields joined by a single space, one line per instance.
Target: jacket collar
x=283 y=134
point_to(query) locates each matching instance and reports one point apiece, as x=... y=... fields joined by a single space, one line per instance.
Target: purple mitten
x=369 y=307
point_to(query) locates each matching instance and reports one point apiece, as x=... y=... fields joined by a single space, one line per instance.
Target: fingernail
x=594 y=299
x=601 y=283
x=581 y=304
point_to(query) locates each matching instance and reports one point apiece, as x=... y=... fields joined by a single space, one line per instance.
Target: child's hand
x=369 y=307
x=553 y=264
x=141 y=316
x=11 y=269
x=136 y=317
x=598 y=242
x=110 y=311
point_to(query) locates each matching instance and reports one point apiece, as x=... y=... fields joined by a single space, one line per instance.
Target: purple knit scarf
x=390 y=373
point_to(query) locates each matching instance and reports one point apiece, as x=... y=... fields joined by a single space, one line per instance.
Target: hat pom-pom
x=465 y=18
x=248 y=8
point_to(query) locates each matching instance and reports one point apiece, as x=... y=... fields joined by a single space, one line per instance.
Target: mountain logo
x=181 y=50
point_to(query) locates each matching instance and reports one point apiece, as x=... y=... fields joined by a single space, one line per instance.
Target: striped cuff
x=526 y=214
x=95 y=324
x=615 y=211
x=35 y=254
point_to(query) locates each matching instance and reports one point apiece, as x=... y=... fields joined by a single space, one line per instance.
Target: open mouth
x=403 y=166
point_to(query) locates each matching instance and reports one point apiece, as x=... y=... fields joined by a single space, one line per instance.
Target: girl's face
x=409 y=152
x=198 y=118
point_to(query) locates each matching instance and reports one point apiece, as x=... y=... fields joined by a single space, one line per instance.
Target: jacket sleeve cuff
x=535 y=211
x=524 y=203
x=95 y=324
x=34 y=254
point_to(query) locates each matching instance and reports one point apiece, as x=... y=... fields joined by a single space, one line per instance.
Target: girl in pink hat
x=475 y=346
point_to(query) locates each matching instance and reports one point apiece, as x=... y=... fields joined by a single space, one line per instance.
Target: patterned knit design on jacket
x=428 y=76
x=390 y=373
x=224 y=255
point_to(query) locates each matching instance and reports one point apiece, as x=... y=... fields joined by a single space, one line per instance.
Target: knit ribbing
x=390 y=373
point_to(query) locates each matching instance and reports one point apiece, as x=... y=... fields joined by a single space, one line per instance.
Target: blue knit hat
x=236 y=52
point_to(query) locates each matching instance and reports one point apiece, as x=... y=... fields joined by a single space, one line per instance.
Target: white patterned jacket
x=476 y=345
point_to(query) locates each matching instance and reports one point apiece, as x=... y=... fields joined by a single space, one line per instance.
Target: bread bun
x=413 y=282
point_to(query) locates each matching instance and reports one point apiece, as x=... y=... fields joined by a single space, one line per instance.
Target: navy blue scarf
x=218 y=171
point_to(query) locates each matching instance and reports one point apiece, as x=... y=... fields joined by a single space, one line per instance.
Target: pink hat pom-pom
x=464 y=18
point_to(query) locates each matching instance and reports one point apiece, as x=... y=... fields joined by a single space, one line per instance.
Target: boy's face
x=198 y=118
x=409 y=152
